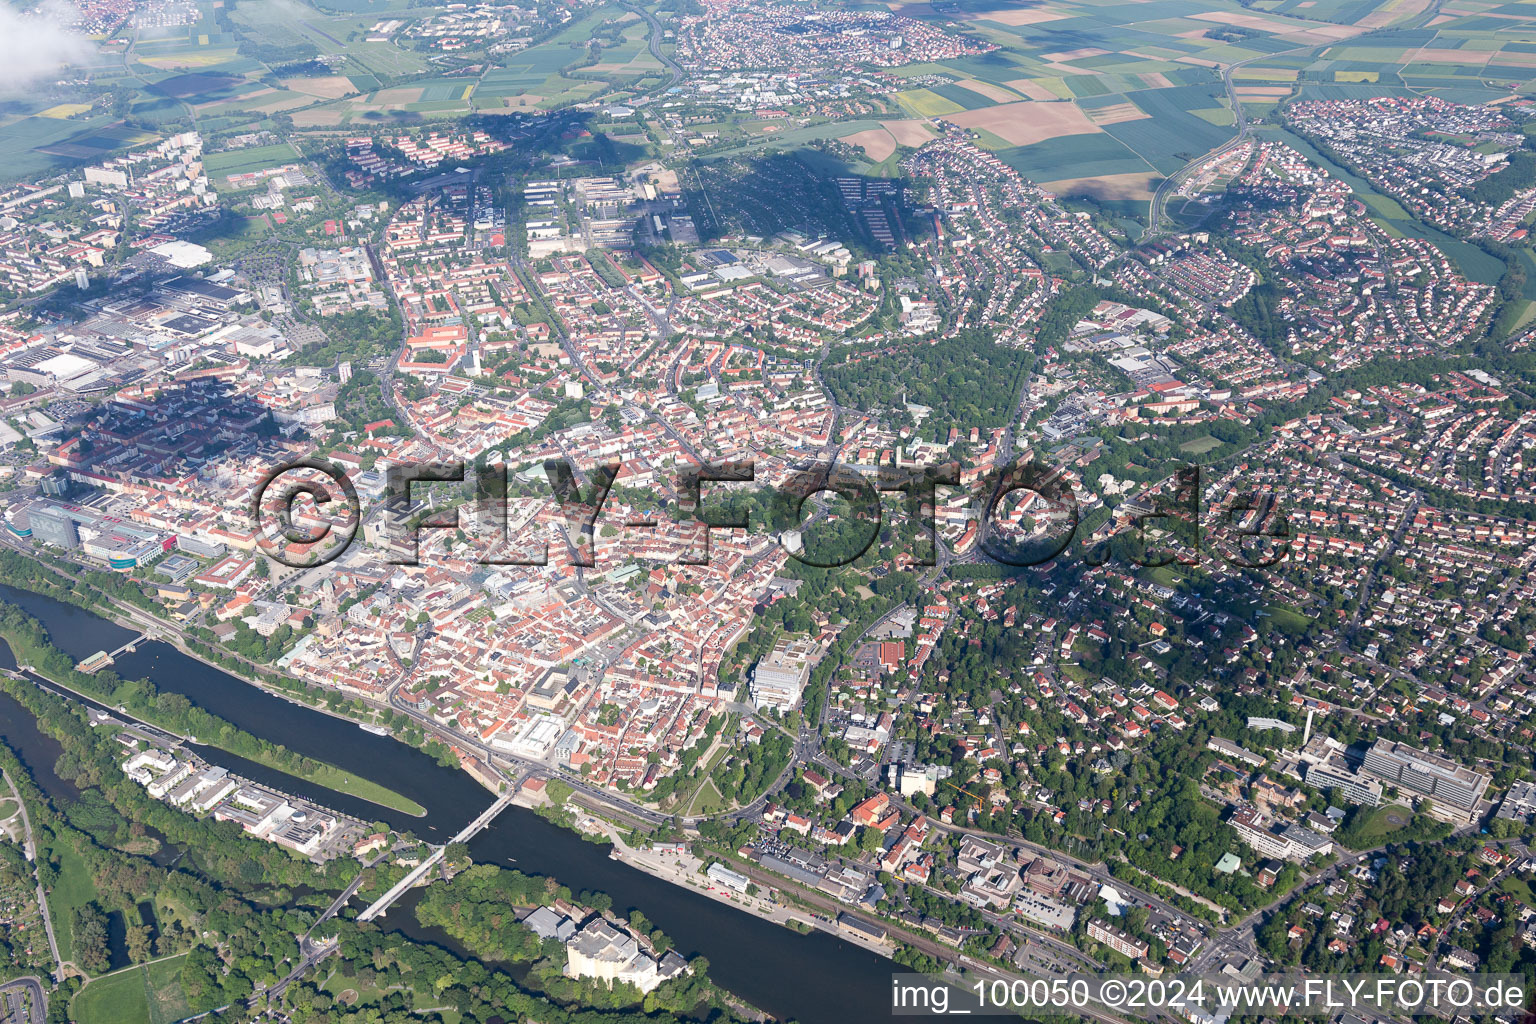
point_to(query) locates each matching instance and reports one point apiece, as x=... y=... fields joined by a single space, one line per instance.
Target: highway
x=654 y=38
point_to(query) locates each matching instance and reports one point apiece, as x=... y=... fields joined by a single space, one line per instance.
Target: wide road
x=655 y=41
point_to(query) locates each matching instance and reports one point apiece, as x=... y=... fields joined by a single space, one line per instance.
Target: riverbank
x=48 y=662
x=835 y=980
x=687 y=870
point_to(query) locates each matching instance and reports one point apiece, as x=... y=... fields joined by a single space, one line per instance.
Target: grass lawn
x=707 y=800
x=1520 y=889
x=115 y=999
x=1527 y=314
x=706 y=796
x=7 y=808
x=1167 y=575
x=162 y=987
x=146 y=992
x=1382 y=822
x=343 y=781
x=1200 y=445
x=347 y=991
x=1076 y=673
x=74 y=889
x=252 y=158
x=1288 y=620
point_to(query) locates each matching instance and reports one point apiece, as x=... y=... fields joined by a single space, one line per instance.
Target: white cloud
x=37 y=45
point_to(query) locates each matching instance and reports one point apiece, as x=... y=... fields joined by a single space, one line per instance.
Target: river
x=811 y=978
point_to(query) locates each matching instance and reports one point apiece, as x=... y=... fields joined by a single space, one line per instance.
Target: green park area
x=146 y=992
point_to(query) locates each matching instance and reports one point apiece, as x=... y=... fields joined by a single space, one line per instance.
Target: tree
x=870 y=840
x=140 y=943
x=88 y=925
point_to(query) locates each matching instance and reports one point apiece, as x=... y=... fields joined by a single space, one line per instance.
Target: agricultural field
x=1105 y=98
x=321 y=64
x=1117 y=94
x=1095 y=98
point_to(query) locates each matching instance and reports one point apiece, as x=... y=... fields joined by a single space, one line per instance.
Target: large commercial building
x=1425 y=774
x=116 y=542
x=780 y=677
x=52 y=525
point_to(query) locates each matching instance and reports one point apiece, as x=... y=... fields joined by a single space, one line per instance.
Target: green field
x=24 y=143
x=244 y=161
x=1085 y=155
x=927 y=103
x=707 y=800
x=1200 y=445
x=1520 y=889
x=348 y=990
x=73 y=889
x=343 y=781
x=967 y=98
x=1381 y=823
x=1288 y=620
x=148 y=992
x=114 y=999
x=1343 y=12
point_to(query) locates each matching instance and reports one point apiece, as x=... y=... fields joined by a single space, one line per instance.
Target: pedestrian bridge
x=383 y=903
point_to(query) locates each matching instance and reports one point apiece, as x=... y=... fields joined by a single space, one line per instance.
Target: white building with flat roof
x=779 y=679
